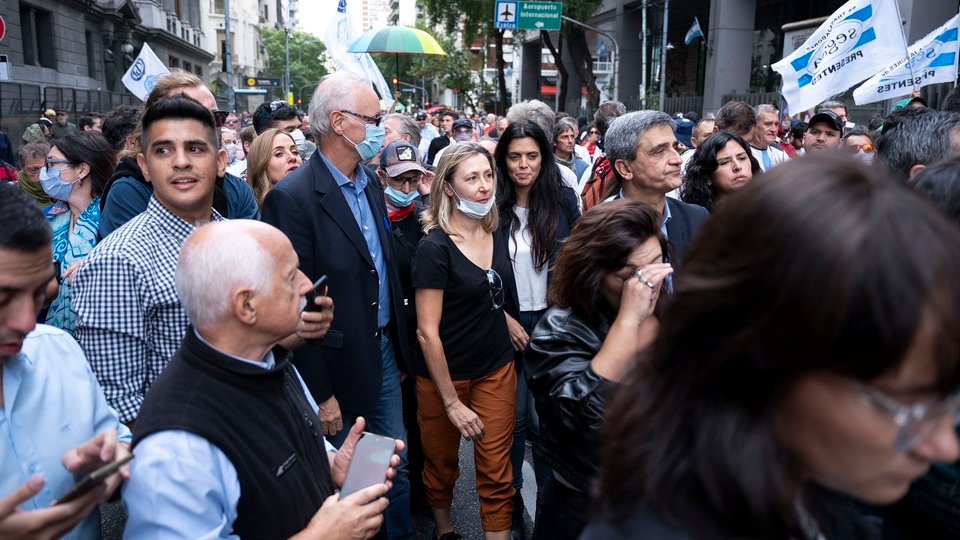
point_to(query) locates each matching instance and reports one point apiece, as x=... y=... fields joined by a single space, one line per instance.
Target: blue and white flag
x=932 y=59
x=343 y=29
x=694 y=32
x=855 y=42
x=143 y=73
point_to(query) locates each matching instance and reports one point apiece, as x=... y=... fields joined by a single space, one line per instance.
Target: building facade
x=72 y=54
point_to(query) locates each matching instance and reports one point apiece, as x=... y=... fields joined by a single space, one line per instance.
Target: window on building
x=218 y=6
x=198 y=69
x=174 y=62
x=36 y=24
x=91 y=55
x=187 y=66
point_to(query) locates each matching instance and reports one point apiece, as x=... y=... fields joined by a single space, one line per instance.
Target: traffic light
x=299 y=101
x=428 y=104
x=396 y=81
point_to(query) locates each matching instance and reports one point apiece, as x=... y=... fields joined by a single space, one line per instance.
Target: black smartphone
x=371 y=460
x=317 y=290
x=93 y=480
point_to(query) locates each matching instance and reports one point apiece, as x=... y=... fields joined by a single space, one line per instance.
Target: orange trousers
x=493 y=398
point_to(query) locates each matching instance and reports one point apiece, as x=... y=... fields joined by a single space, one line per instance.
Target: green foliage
x=475 y=19
x=306 y=63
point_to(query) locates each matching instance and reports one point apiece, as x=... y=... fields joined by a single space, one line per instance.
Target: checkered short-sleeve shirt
x=129 y=318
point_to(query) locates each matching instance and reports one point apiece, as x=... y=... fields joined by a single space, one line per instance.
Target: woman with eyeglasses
x=537 y=211
x=466 y=380
x=605 y=287
x=77 y=170
x=273 y=155
x=859 y=142
x=809 y=359
x=720 y=165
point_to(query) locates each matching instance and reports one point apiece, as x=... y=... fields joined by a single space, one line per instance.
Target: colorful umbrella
x=397 y=40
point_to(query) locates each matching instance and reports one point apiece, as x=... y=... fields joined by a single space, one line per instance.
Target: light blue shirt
x=51 y=404
x=353 y=192
x=183 y=486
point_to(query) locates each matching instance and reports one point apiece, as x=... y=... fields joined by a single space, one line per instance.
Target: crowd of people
x=734 y=326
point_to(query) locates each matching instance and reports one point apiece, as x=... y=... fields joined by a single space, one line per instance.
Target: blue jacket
x=127 y=196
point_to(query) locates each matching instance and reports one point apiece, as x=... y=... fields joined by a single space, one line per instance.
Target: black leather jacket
x=570 y=397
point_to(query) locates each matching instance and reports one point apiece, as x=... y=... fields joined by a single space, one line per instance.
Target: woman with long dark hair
x=808 y=358
x=606 y=286
x=721 y=165
x=537 y=211
x=77 y=170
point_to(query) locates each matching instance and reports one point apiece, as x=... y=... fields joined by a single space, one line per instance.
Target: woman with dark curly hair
x=721 y=164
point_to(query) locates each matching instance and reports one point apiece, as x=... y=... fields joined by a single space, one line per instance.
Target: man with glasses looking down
x=332 y=210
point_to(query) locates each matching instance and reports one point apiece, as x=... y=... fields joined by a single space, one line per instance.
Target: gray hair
x=334 y=93
x=922 y=139
x=624 y=135
x=765 y=108
x=210 y=271
x=827 y=105
x=535 y=111
x=605 y=114
x=408 y=126
x=34 y=150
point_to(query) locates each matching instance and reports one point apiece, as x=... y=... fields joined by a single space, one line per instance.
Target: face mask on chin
x=474 y=210
x=399 y=198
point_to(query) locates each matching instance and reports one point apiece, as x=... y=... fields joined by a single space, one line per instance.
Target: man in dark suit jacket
x=640 y=146
x=332 y=210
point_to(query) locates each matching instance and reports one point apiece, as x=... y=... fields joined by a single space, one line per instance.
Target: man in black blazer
x=332 y=210
x=640 y=145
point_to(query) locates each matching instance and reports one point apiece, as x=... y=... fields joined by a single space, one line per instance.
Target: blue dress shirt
x=353 y=192
x=182 y=486
x=51 y=404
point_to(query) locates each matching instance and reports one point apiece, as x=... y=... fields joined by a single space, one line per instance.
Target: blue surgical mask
x=372 y=142
x=399 y=198
x=54 y=186
x=474 y=210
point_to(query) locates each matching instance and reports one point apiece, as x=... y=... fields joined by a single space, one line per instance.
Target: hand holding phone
x=370 y=463
x=319 y=289
x=94 y=479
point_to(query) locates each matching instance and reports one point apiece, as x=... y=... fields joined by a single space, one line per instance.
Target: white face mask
x=472 y=209
x=300 y=140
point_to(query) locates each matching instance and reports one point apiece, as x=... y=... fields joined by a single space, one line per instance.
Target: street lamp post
x=663 y=58
x=616 y=52
x=228 y=57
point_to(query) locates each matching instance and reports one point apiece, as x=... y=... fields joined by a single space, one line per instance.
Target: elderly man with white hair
x=332 y=210
x=227 y=442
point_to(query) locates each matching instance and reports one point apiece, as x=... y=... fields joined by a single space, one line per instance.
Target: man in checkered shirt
x=130 y=320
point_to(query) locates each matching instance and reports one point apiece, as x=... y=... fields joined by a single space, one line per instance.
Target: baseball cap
x=421 y=116
x=399 y=157
x=827 y=117
x=462 y=123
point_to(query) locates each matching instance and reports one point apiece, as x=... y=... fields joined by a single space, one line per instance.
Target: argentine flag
x=932 y=59
x=693 y=33
x=854 y=43
x=143 y=73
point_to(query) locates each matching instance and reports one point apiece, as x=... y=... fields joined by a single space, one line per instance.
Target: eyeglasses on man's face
x=372 y=120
